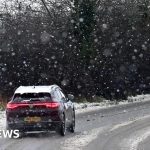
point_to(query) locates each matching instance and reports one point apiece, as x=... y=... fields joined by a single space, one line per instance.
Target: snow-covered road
x=89 y=107
x=124 y=126
x=2 y=120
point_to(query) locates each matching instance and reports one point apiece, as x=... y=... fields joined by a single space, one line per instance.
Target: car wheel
x=63 y=126
x=72 y=127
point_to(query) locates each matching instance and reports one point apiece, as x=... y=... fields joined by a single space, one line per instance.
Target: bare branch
x=49 y=13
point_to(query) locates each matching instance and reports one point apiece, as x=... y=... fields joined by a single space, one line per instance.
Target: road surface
x=124 y=127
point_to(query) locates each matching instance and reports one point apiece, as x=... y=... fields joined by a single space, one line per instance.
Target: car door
x=62 y=99
x=68 y=103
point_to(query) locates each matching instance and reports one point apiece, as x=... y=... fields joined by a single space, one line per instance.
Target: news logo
x=9 y=134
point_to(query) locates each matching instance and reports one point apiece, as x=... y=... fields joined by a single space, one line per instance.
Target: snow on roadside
x=139 y=98
x=86 y=107
x=2 y=120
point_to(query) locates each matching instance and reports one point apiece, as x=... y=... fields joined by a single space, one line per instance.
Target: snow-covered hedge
x=108 y=103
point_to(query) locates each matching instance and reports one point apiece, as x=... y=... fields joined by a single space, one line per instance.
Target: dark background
x=89 y=48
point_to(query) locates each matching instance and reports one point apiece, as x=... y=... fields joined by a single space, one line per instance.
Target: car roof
x=35 y=89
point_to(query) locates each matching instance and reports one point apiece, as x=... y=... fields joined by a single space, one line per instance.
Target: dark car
x=40 y=108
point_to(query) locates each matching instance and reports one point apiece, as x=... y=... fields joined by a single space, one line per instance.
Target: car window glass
x=63 y=96
x=33 y=96
x=55 y=96
x=59 y=95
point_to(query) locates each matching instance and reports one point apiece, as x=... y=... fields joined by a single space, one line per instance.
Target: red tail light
x=11 y=106
x=53 y=105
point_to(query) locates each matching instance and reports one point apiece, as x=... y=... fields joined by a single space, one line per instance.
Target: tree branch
x=49 y=13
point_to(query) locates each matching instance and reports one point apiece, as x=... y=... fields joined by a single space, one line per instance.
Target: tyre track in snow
x=125 y=136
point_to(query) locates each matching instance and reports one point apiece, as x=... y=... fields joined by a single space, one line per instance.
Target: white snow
x=79 y=141
x=2 y=120
x=83 y=139
x=34 y=89
x=121 y=125
x=117 y=126
x=132 y=142
x=86 y=107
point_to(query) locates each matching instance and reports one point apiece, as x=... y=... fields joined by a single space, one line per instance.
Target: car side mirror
x=71 y=97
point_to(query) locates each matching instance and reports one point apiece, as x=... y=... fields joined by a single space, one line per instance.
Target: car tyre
x=62 y=129
x=72 y=127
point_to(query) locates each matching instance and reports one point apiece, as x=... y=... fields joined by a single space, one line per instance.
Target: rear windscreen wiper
x=34 y=99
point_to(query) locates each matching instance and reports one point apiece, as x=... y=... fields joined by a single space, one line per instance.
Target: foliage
x=88 y=47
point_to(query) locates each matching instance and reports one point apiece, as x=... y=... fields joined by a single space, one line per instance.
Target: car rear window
x=32 y=96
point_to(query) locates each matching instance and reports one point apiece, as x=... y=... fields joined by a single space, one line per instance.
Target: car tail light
x=53 y=105
x=11 y=106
